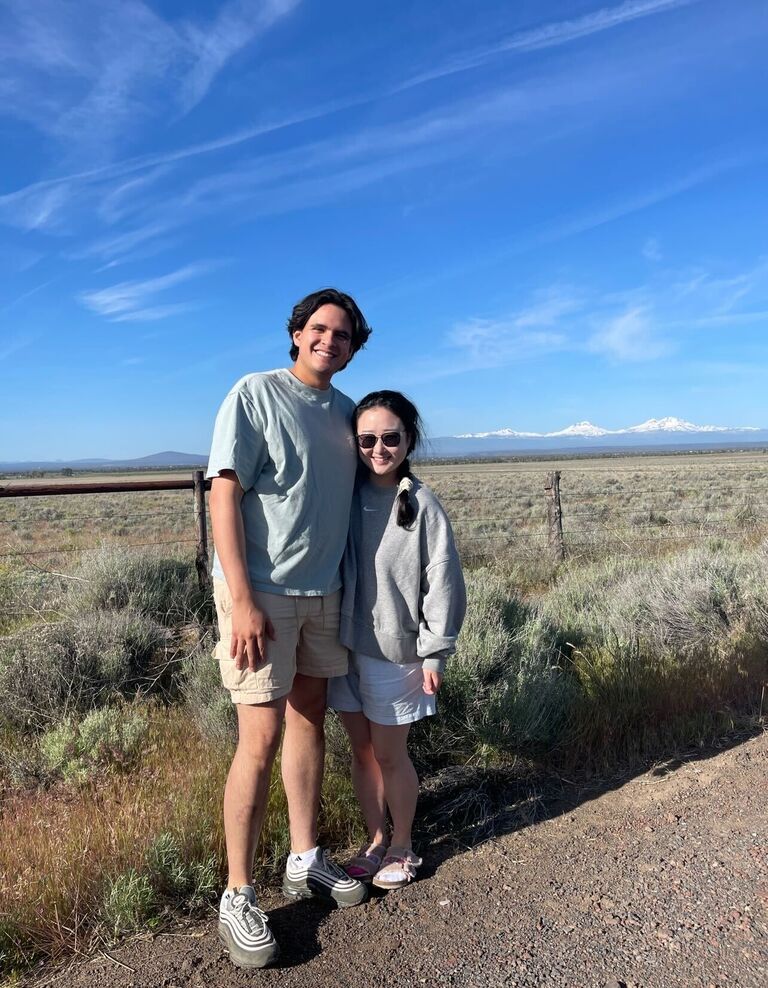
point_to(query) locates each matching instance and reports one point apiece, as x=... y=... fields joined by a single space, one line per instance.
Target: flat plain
x=647 y=640
x=643 y=505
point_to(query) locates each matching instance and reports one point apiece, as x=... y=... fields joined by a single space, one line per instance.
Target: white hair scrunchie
x=405 y=486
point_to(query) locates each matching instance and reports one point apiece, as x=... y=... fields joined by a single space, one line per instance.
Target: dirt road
x=660 y=881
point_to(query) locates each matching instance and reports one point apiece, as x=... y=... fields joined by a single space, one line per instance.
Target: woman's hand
x=432 y=681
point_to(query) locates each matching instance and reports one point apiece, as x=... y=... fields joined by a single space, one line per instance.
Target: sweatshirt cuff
x=434 y=663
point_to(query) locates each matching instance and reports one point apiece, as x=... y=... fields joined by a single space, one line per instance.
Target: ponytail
x=406 y=512
x=406 y=411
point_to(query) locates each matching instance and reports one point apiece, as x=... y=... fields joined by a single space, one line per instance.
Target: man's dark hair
x=304 y=309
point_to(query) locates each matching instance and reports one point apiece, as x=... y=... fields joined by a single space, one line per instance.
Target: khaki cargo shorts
x=306 y=641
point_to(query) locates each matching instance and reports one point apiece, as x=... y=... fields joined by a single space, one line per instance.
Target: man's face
x=325 y=345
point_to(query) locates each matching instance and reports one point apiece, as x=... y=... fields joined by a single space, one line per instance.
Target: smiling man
x=283 y=465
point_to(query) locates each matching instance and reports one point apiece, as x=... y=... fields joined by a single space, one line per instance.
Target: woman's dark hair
x=304 y=309
x=406 y=411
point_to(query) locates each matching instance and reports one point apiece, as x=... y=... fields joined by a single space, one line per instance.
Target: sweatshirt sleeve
x=443 y=595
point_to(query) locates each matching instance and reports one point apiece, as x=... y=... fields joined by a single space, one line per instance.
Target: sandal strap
x=401 y=859
x=367 y=861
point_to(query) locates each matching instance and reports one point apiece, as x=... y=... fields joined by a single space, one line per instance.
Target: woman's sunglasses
x=367 y=440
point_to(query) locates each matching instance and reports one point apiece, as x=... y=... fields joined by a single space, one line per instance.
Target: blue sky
x=549 y=211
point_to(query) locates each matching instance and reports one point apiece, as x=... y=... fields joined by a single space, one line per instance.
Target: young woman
x=402 y=609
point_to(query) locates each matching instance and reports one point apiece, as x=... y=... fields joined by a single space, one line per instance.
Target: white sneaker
x=324 y=879
x=244 y=929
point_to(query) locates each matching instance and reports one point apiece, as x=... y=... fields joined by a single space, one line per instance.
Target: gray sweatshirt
x=404 y=596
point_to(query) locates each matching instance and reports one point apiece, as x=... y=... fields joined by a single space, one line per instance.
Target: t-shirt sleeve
x=238 y=440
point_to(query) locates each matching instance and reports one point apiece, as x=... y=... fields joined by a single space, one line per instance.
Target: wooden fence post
x=201 y=528
x=554 y=517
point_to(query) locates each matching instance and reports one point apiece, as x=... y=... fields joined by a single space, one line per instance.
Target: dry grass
x=64 y=848
x=60 y=847
x=651 y=635
x=630 y=505
x=639 y=506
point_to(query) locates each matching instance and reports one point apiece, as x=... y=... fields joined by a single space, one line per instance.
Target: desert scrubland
x=115 y=735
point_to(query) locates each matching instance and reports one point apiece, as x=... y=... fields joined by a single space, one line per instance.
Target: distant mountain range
x=584 y=437
x=587 y=429
x=158 y=460
x=580 y=438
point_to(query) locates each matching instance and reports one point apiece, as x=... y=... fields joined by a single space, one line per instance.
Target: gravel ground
x=659 y=880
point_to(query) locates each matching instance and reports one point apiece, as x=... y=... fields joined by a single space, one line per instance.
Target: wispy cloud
x=236 y=26
x=548 y=35
x=24 y=296
x=37 y=204
x=643 y=323
x=652 y=250
x=654 y=196
x=39 y=208
x=306 y=173
x=90 y=73
x=18 y=257
x=120 y=244
x=134 y=301
x=734 y=319
x=13 y=345
x=310 y=173
x=531 y=331
x=630 y=336
x=718 y=296
x=578 y=223
x=117 y=202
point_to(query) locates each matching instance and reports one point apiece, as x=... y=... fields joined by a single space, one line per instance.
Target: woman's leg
x=401 y=784
x=366 y=776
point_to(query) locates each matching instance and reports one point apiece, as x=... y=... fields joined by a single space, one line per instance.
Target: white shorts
x=386 y=692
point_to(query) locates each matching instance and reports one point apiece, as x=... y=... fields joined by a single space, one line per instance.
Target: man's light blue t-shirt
x=293 y=451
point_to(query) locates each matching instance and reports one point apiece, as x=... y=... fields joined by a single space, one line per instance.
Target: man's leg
x=303 y=758
x=309 y=870
x=243 y=927
x=245 y=795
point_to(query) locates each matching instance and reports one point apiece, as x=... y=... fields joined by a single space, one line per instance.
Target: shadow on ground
x=463 y=806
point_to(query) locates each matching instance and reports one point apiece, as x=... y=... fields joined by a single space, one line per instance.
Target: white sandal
x=397 y=869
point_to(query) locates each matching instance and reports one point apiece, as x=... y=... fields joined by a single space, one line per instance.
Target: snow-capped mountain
x=580 y=429
x=584 y=437
x=671 y=424
x=668 y=424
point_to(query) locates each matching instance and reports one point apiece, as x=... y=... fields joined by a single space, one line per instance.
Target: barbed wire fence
x=541 y=523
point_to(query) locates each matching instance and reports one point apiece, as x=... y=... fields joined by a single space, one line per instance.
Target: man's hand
x=250 y=630
x=432 y=681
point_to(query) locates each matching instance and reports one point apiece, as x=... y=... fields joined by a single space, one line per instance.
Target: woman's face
x=375 y=425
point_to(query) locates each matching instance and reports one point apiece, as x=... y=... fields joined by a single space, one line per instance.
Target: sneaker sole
x=292 y=892
x=247 y=958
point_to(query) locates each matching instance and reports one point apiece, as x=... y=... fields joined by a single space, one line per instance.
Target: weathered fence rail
x=107 y=487
x=197 y=484
x=482 y=535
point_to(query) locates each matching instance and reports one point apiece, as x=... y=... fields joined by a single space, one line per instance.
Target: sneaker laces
x=332 y=867
x=253 y=918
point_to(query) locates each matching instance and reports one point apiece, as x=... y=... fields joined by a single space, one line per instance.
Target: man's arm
x=250 y=625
